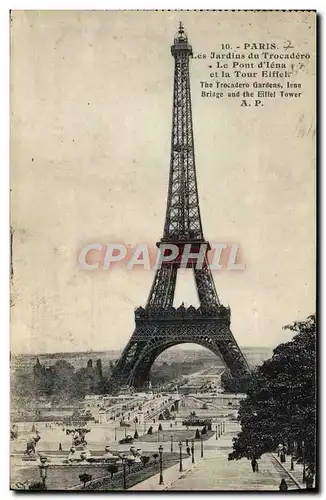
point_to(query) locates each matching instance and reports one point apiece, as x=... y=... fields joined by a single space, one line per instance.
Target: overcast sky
x=91 y=120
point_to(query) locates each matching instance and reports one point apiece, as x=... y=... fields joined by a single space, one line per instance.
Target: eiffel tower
x=159 y=325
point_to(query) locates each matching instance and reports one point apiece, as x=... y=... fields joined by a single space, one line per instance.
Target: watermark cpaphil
x=99 y=256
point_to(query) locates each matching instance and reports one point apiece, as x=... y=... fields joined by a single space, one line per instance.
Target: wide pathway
x=215 y=472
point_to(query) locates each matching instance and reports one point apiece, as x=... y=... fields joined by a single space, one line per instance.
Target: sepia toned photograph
x=163 y=250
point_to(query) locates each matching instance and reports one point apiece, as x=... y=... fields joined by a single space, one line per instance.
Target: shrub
x=144 y=459
x=36 y=486
x=112 y=469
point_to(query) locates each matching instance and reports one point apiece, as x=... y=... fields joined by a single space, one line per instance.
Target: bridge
x=171 y=403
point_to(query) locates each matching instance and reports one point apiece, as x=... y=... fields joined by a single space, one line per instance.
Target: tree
x=150 y=430
x=197 y=435
x=42 y=379
x=144 y=459
x=99 y=380
x=99 y=369
x=38 y=368
x=281 y=403
x=136 y=435
x=160 y=428
x=235 y=385
x=62 y=373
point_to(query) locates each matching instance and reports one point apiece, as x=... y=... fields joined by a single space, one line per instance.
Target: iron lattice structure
x=159 y=325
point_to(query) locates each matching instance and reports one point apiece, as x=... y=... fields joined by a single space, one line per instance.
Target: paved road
x=215 y=472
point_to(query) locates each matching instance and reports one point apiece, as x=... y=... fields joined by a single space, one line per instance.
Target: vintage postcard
x=163 y=250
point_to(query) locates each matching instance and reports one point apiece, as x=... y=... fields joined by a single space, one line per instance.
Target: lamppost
x=216 y=432
x=160 y=449
x=171 y=443
x=219 y=430
x=193 y=451
x=43 y=470
x=201 y=447
x=180 y=447
x=124 y=463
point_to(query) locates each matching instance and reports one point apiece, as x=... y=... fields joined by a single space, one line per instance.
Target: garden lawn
x=178 y=435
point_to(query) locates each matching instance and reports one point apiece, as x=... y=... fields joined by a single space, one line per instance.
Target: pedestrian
x=188 y=450
x=60 y=447
x=309 y=481
x=283 y=486
x=187 y=442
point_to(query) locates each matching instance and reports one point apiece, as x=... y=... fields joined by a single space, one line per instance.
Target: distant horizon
x=120 y=350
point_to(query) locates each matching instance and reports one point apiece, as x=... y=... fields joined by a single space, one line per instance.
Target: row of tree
x=61 y=379
x=280 y=408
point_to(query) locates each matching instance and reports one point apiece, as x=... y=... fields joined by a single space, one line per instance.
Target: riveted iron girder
x=159 y=325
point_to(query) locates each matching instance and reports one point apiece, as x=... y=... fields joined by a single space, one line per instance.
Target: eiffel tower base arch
x=152 y=337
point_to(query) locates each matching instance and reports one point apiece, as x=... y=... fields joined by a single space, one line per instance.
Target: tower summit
x=159 y=325
x=181 y=42
x=182 y=220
